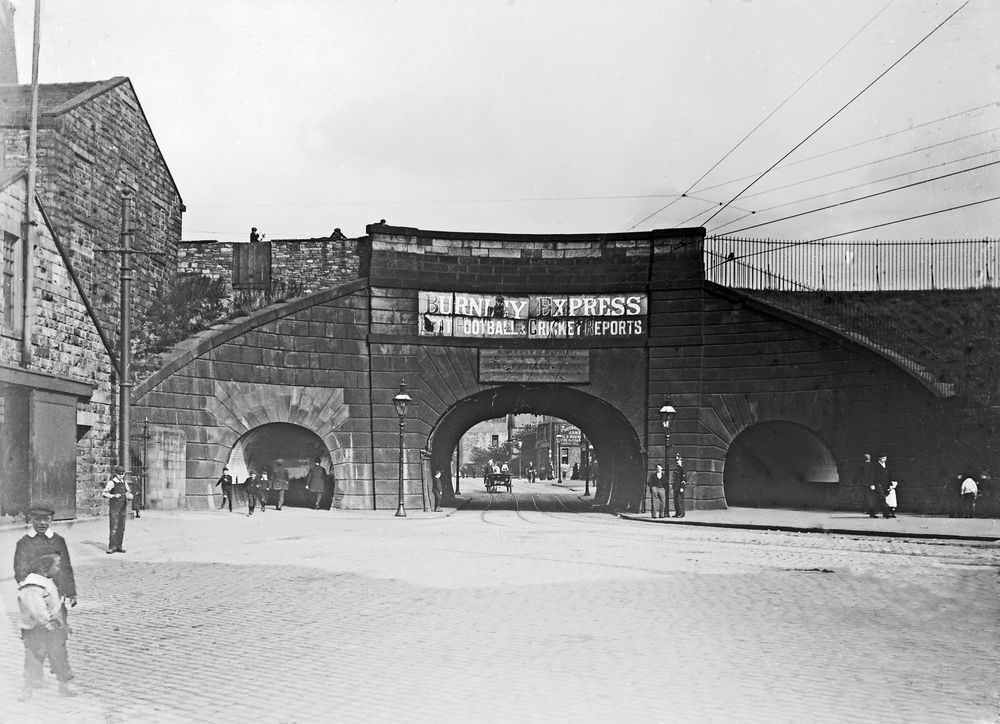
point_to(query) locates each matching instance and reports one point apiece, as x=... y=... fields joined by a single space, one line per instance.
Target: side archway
x=616 y=444
x=780 y=464
x=296 y=447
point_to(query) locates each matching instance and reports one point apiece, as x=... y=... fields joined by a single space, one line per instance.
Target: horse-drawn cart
x=497 y=480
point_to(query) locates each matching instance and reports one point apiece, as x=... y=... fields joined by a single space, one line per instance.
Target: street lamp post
x=517 y=446
x=558 y=457
x=587 y=450
x=667 y=412
x=400 y=401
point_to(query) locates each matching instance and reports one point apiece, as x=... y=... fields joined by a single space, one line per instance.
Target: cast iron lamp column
x=517 y=446
x=667 y=413
x=587 y=449
x=399 y=401
x=558 y=457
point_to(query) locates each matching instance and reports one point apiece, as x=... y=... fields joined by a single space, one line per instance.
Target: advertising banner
x=536 y=316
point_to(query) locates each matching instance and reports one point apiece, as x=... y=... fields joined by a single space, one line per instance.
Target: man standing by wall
x=679 y=482
x=882 y=480
x=865 y=479
x=118 y=493
x=657 y=485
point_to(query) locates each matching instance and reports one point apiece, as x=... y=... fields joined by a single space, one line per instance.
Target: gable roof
x=55 y=99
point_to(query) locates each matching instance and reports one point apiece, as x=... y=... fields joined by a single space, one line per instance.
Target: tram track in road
x=517 y=508
x=482 y=515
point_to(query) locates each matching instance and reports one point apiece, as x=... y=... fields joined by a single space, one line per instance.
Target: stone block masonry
x=298 y=266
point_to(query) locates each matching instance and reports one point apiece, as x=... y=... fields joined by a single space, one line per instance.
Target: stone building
x=94 y=142
x=56 y=391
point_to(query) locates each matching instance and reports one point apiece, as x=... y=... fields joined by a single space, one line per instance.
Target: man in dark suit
x=40 y=541
x=280 y=481
x=316 y=481
x=679 y=481
x=657 y=485
x=865 y=479
x=882 y=479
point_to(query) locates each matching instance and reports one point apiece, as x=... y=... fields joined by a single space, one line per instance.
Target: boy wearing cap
x=226 y=481
x=43 y=626
x=42 y=541
x=118 y=493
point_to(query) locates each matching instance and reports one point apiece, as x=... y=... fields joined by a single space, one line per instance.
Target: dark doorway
x=296 y=447
x=618 y=479
x=780 y=464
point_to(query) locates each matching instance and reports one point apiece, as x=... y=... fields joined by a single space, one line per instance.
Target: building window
x=13 y=284
x=494 y=440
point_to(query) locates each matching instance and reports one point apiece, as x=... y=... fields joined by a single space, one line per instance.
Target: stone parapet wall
x=298 y=266
x=509 y=263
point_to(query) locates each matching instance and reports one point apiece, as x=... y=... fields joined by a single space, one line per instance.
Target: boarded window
x=13 y=284
x=252 y=266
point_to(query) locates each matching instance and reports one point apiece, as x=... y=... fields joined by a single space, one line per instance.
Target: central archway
x=616 y=444
x=780 y=464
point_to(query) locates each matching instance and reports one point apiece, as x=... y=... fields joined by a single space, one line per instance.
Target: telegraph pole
x=125 y=384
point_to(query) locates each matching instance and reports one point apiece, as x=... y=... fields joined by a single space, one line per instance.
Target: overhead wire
x=868 y=164
x=841 y=109
x=851 y=188
x=866 y=196
x=806 y=159
x=765 y=119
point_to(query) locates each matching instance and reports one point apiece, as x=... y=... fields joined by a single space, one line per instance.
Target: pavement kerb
x=812 y=529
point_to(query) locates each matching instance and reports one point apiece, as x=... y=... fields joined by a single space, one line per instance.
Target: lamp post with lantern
x=667 y=413
x=559 y=438
x=588 y=450
x=400 y=401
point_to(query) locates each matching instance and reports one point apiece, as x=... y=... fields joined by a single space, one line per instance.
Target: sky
x=576 y=116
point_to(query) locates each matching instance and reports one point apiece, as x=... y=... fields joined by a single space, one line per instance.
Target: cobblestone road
x=515 y=613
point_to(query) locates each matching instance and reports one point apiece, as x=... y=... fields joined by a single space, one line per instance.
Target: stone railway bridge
x=596 y=329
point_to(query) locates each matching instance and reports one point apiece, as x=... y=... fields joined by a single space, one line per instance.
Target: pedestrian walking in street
x=257 y=489
x=136 y=499
x=316 y=480
x=280 y=481
x=679 y=481
x=226 y=481
x=119 y=493
x=864 y=478
x=657 y=485
x=882 y=479
x=969 y=491
x=436 y=490
x=43 y=626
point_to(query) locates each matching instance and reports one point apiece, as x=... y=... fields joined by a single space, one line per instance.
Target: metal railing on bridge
x=852 y=265
x=816 y=281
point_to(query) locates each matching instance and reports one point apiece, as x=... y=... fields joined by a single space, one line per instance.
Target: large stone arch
x=616 y=443
x=300 y=362
x=781 y=464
